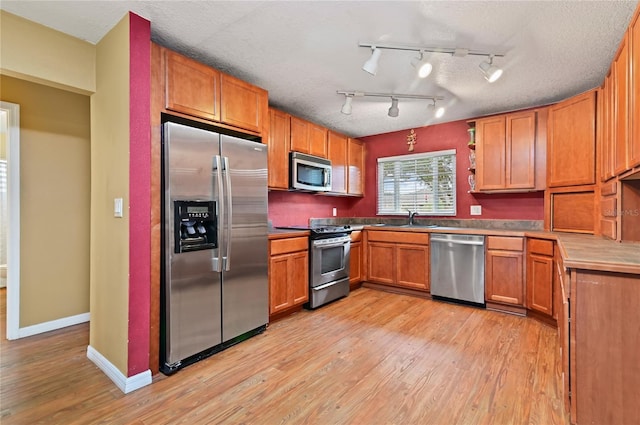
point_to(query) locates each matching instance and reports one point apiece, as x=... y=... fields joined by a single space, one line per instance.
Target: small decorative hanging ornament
x=412 y=139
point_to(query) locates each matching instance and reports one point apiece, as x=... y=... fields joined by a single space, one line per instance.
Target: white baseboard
x=126 y=384
x=52 y=325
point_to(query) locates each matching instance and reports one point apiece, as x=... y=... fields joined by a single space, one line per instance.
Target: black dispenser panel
x=195 y=226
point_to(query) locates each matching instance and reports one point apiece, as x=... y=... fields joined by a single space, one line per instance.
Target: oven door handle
x=331 y=245
x=326 y=285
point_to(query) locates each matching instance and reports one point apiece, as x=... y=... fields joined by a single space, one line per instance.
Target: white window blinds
x=423 y=182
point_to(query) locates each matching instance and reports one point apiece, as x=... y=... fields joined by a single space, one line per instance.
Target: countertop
x=579 y=251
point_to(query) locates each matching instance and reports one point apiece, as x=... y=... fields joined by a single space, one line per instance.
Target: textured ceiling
x=303 y=51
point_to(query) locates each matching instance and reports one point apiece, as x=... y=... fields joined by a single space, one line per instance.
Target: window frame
x=415 y=157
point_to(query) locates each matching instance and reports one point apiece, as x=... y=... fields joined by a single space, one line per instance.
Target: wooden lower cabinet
x=355 y=259
x=540 y=276
x=604 y=347
x=504 y=278
x=398 y=259
x=288 y=273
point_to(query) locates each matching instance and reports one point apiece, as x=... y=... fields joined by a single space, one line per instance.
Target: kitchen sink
x=417 y=226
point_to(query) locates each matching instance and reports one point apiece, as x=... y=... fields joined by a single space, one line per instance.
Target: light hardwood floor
x=372 y=358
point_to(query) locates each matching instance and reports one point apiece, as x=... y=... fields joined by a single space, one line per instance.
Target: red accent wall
x=288 y=208
x=139 y=193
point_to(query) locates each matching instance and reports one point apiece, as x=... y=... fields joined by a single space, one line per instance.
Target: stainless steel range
x=329 y=257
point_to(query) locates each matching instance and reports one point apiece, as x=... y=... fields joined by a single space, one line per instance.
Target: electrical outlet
x=335 y=212
x=476 y=210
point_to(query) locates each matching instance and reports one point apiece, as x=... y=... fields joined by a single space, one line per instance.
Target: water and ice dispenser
x=195 y=226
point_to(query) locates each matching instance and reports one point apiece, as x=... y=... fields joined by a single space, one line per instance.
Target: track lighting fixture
x=422 y=65
x=371 y=65
x=491 y=72
x=437 y=112
x=394 y=111
x=346 y=108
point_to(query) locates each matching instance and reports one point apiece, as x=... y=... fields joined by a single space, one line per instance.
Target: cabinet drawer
x=283 y=246
x=356 y=236
x=506 y=243
x=399 y=237
x=540 y=246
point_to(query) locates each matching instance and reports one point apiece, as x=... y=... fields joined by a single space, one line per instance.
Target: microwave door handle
x=229 y=222
x=327 y=178
x=217 y=191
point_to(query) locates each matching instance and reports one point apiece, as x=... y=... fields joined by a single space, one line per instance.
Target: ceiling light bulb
x=491 y=72
x=423 y=67
x=346 y=108
x=371 y=65
x=393 y=110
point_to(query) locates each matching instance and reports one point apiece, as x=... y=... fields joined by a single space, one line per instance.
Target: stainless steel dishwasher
x=457 y=268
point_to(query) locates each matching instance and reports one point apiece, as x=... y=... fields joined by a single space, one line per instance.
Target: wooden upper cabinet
x=197 y=90
x=355 y=159
x=317 y=140
x=278 y=149
x=242 y=104
x=191 y=88
x=490 y=153
x=308 y=137
x=606 y=135
x=520 y=144
x=506 y=152
x=572 y=141
x=634 y=91
x=621 y=116
x=337 y=147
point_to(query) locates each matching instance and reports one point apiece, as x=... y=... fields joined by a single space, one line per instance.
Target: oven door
x=329 y=260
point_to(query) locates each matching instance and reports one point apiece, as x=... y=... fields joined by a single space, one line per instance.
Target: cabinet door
x=337 y=154
x=503 y=277
x=634 y=91
x=355 y=264
x=355 y=158
x=299 y=137
x=242 y=104
x=540 y=283
x=607 y=135
x=299 y=277
x=317 y=136
x=278 y=149
x=192 y=88
x=520 y=150
x=490 y=153
x=279 y=297
x=572 y=141
x=621 y=117
x=381 y=262
x=413 y=266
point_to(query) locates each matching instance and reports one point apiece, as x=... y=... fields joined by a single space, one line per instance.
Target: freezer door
x=191 y=290
x=245 y=291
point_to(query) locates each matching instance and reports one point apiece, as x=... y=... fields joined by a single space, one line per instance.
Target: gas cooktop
x=322 y=229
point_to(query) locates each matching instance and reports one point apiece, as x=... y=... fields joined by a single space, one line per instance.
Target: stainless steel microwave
x=310 y=173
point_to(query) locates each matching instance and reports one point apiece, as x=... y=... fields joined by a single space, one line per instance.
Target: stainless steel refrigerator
x=214 y=263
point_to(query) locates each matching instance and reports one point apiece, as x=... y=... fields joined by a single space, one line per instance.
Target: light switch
x=476 y=210
x=335 y=212
x=117 y=207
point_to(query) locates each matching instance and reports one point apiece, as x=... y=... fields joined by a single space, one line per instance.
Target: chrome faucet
x=412 y=216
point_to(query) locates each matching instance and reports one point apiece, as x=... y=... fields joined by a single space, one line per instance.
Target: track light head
x=422 y=66
x=393 y=110
x=346 y=108
x=438 y=112
x=491 y=72
x=371 y=65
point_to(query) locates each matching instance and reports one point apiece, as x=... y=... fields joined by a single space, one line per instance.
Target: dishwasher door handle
x=458 y=242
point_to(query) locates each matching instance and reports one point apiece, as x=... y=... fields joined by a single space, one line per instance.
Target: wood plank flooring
x=371 y=358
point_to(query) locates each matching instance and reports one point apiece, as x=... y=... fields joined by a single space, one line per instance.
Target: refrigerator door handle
x=216 y=261
x=229 y=221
